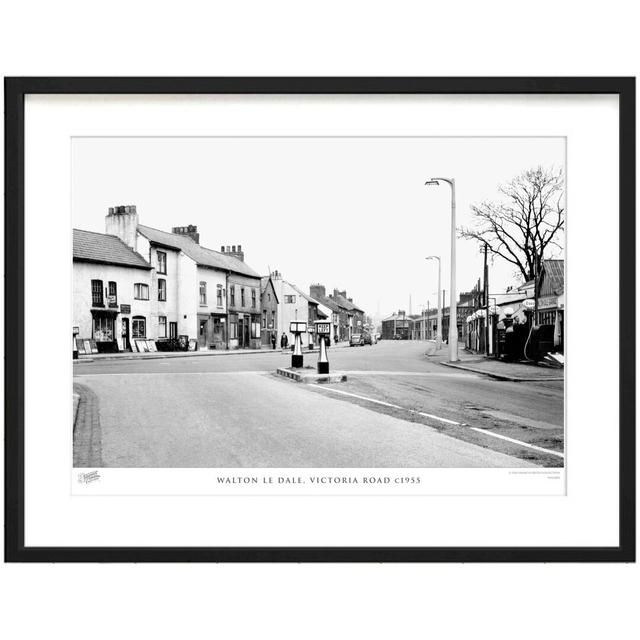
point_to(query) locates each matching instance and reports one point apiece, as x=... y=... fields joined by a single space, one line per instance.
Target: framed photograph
x=467 y=406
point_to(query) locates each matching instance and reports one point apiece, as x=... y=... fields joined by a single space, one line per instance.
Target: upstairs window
x=253 y=298
x=162 y=289
x=219 y=292
x=162 y=262
x=203 y=293
x=232 y=295
x=242 y=296
x=112 y=294
x=289 y=299
x=141 y=291
x=97 y=293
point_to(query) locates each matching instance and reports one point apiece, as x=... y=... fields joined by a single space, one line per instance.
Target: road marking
x=519 y=442
x=393 y=406
x=458 y=424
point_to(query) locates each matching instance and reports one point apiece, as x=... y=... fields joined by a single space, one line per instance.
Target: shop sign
x=528 y=303
x=548 y=303
x=125 y=308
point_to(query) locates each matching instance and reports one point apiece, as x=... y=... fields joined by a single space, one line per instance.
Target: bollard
x=296 y=358
x=323 y=361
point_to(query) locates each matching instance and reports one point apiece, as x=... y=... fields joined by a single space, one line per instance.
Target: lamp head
x=432 y=183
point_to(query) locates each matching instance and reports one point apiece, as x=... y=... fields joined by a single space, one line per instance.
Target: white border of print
x=54 y=517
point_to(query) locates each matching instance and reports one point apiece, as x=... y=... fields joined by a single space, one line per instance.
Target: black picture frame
x=15 y=91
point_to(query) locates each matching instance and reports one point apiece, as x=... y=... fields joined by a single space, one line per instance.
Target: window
x=255 y=327
x=113 y=294
x=233 y=328
x=102 y=328
x=138 y=327
x=264 y=318
x=203 y=293
x=162 y=326
x=141 y=291
x=162 y=289
x=273 y=320
x=232 y=295
x=242 y=296
x=162 y=262
x=97 y=293
x=253 y=298
x=219 y=292
x=289 y=299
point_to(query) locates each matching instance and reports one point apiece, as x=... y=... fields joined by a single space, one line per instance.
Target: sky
x=349 y=213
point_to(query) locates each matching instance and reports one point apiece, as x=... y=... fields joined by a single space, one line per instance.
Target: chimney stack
x=234 y=251
x=122 y=221
x=317 y=291
x=191 y=231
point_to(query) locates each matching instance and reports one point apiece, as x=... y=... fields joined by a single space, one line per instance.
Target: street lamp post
x=453 y=308
x=439 y=325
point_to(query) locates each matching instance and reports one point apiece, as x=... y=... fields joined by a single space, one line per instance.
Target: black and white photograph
x=343 y=303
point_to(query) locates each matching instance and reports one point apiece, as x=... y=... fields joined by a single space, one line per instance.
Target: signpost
x=297 y=328
x=323 y=329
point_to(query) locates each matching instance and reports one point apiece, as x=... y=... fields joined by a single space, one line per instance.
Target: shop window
x=219 y=293
x=162 y=289
x=141 y=291
x=103 y=328
x=138 y=327
x=233 y=329
x=203 y=293
x=255 y=328
x=113 y=294
x=162 y=326
x=253 y=298
x=162 y=262
x=97 y=293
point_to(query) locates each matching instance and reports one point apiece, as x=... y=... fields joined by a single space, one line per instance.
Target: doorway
x=126 y=345
x=173 y=330
x=202 y=334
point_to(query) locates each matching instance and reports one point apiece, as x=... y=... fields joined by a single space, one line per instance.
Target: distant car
x=356 y=340
x=366 y=339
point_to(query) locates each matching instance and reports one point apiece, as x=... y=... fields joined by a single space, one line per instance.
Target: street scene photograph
x=318 y=303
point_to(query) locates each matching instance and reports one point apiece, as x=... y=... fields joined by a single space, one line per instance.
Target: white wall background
x=333 y=38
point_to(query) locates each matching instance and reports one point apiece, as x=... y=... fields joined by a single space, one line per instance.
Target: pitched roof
x=201 y=255
x=554 y=271
x=341 y=301
x=264 y=283
x=328 y=302
x=306 y=296
x=89 y=246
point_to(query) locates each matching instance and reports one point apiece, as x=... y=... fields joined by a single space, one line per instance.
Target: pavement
x=397 y=409
x=160 y=355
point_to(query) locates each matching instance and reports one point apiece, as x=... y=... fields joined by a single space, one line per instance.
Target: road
x=397 y=409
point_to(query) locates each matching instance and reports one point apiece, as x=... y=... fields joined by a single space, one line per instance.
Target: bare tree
x=526 y=223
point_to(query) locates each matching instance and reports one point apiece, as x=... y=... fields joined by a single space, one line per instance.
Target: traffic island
x=309 y=375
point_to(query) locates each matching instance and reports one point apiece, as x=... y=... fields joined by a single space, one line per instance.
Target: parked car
x=366 y=339
x=356 y=340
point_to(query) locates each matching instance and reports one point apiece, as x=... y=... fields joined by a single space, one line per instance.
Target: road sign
x=323 y=328
x=297 y=327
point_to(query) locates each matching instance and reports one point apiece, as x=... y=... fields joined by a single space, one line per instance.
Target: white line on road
x=393 y=406
x=459 y=424
x=169 y=373
x=522 y=444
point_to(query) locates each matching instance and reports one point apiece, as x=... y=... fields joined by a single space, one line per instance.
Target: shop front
x=103 y=329
x=212 y=331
